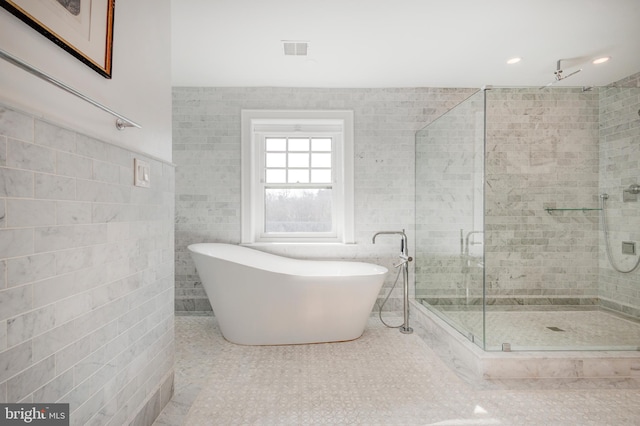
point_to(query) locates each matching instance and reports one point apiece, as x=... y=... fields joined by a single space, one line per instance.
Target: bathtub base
x=270 y=341
x=322 y=312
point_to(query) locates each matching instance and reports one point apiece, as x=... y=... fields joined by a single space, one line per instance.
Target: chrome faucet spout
x=469 y=241
x=404 y=249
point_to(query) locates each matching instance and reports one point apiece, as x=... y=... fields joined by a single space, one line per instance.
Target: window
x=297 y=176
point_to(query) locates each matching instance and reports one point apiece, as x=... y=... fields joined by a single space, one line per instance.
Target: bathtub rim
x=280 y=264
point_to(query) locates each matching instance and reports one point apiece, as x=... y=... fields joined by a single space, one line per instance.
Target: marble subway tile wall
x=619 y=168
x=542 y=151
x=206 y=150
x=86 y=275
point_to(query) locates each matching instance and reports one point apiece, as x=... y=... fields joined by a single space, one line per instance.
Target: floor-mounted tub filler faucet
x=404 y=263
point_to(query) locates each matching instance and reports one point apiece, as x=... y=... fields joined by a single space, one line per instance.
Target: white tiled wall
x=206 y=150
x=543 y=150
x=86 y=275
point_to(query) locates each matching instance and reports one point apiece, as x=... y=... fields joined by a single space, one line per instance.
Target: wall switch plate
x=141 y=173
x=628 y=247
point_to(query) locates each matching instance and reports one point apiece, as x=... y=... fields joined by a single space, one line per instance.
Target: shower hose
x=380 y=306
x=604 y=197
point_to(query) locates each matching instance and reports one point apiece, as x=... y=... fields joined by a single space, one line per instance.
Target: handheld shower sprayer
x=605 y=228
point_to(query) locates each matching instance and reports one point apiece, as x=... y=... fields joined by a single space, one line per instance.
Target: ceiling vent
x=295 y=48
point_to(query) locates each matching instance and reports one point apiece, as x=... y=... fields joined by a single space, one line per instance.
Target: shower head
x=558 y=72
x=559 y=76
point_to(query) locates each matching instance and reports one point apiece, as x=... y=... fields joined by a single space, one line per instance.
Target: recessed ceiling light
x=514 y=60
x=601 y=60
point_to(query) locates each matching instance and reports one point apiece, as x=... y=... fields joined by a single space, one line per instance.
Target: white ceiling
x=403 y=43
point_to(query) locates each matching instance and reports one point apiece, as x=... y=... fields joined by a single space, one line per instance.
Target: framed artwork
x=83 y=28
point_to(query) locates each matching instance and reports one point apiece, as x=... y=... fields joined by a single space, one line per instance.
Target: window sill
x=308 y=250
x=296 y=243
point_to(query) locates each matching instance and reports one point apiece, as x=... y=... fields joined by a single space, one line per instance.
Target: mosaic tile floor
x=383 y=378
x=562 y=330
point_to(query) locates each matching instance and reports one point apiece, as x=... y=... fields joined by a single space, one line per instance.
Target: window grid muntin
x=292 y=149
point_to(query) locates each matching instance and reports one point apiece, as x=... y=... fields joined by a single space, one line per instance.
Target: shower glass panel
x=449 y=261
x=510 y=248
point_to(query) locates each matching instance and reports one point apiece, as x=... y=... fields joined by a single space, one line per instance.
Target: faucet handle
x=405 y=260
x=633 y=189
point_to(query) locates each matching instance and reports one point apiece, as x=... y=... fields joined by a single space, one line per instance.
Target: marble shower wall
x=206 y=150
x=619 y=168
x=542 y=152
x=86 y=275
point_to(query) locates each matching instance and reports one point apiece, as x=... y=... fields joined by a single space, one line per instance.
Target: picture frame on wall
x=84 y=28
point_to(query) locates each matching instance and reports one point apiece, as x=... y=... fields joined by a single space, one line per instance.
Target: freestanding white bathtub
x=263 y=299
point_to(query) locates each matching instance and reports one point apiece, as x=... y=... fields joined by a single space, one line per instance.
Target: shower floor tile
x=383 y=378
x=551 y=330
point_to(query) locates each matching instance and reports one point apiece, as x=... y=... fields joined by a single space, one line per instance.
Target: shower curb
x=470 y=361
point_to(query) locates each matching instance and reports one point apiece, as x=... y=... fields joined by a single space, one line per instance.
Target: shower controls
x=633 y=189
x=631 y=193
x=628 y=247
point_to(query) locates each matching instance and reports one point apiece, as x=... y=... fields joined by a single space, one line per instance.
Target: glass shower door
x=449 y=266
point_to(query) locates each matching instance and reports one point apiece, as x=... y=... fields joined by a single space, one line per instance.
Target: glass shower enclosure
x=510 y=248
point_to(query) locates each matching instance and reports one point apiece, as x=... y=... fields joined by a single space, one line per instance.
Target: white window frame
x=259 y=124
